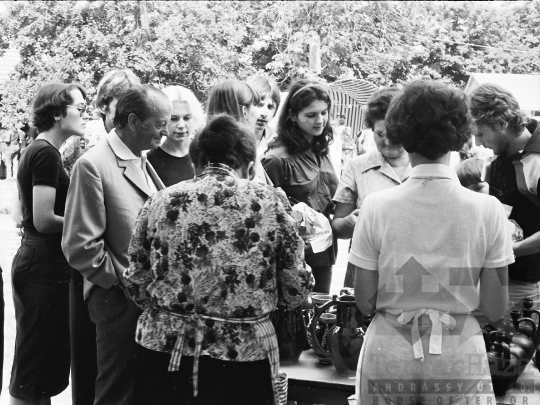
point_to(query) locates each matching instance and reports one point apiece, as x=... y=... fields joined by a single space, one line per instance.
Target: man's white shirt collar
x=119 y=147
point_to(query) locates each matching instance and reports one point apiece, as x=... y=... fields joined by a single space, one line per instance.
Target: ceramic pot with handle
x=291 y=333
x=534 y=315
x=345 y=339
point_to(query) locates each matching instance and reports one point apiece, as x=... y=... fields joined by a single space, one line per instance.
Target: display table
x=313 y=382
x=526 y=390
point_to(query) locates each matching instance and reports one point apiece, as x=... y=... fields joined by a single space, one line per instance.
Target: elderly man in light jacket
x=109 y=185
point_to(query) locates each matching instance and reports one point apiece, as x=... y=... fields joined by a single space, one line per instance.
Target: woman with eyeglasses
x=40 y=273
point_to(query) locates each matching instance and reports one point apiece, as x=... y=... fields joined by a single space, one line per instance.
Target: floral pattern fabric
x=218 y=246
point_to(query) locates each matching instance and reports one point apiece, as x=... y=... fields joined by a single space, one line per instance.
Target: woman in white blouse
x=420 y=250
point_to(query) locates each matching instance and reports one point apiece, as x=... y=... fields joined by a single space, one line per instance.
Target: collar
x=376 y=160
x=434 y=170
x=218 y=168
x=534 y=143
x=119 y=147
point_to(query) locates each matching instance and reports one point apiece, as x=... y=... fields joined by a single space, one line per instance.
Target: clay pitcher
x=503 y=365
x=528 y=313
x=291 y=333
x=345 y=339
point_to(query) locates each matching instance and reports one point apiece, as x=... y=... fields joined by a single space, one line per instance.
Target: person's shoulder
x=362 y=159
x=387 y=196
x=278 y=152
x=42 y=148
x=263 y=192
x=153 y=152
x=275 y=159
x=531 y=158
x=98 y=154
x=365 y=161
x=476 y=201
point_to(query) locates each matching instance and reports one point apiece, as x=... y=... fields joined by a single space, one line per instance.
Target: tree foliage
x=197 y=44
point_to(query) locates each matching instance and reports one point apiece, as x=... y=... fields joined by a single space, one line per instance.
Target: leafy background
x=197 y=44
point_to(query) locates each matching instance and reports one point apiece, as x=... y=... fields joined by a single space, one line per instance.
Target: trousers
x=115 y=317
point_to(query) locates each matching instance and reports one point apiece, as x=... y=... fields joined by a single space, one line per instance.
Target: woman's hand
x=308 y=249
x=344 y=220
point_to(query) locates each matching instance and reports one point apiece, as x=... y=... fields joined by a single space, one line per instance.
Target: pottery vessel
x=345 y=339
x=508 y=352
x=291 y=333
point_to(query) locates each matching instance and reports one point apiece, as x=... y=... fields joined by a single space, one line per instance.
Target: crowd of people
x=156 y=246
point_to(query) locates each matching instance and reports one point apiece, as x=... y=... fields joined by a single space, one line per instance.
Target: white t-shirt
x=429 y=239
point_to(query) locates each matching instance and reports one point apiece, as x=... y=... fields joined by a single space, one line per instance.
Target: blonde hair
x=181 y=94
x=469 y=172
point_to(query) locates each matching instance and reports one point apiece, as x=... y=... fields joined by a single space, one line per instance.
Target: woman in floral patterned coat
x=210 y=259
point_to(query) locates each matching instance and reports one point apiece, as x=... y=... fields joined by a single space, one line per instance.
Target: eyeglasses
x=82 y=109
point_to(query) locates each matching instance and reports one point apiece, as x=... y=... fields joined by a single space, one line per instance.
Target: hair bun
x=223 y=140
x=214 y=141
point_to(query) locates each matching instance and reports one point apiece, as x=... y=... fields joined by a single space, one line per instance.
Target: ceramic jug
x=521 y=347
x=528 y=313
x=508 y=352
x=345 y=339
x=500 y=364
x=521 y=338
x=318 y=329
x=291 y=333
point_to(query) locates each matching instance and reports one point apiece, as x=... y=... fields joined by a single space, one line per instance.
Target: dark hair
x=377 y=105
x=50 y=101
x=223 y=140
x=263 y=84
x=139 y=100
x=229 y=96
x=114 y=84
x=492 y=104
x=469 y=172
x=32 y=133
x=428 y=118
x=301 y=94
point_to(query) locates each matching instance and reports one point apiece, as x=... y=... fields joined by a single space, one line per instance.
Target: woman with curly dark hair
x=420 y=250
x=298 y=162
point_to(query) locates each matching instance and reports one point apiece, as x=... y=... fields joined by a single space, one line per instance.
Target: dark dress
x=171 y=169
x=40 y=279
x=309 y=178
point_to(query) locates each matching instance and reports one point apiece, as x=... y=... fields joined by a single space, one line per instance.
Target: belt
x=264 y=330
x=437 y=321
